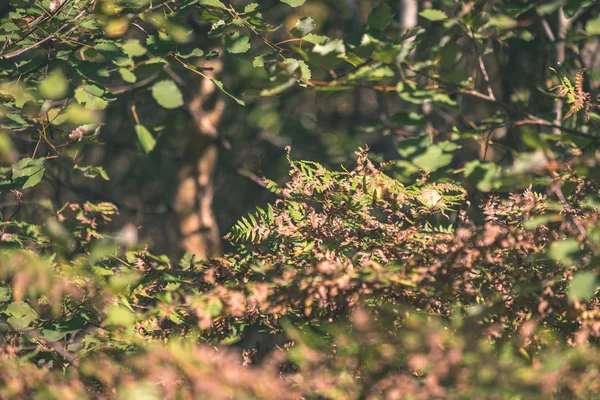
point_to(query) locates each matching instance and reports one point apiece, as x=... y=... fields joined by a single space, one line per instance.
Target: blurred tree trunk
x=193 y=201
x=409 y=11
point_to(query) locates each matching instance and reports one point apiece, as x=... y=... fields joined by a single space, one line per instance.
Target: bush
x=379 y=289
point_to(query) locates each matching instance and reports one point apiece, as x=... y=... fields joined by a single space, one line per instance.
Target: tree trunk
x=409 y=11
x=195 y=191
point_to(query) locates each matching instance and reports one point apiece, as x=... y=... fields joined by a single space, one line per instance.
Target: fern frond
x=255 y=228
x=578 y=98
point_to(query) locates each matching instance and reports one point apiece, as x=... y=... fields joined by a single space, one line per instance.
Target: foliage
x=437 y=272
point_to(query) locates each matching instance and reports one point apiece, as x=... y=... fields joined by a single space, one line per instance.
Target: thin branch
x=561 y=49
x=39 y=24
x=530 y=119
x=261 y=181
x=484 y=72
x=17 y=53
x=126 y=88
x=548 y=30
x=567 y=207
x=51 y=345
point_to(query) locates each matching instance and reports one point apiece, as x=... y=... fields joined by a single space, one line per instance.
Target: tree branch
x=17 y=53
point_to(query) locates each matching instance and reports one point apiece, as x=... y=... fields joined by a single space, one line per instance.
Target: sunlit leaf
x=134 y=48
x=93 y=172
x=127 y=75
x=55 y=85
x=145 y=138
x=294 y=3
x=167 y=94
x=236 y=43
x=565 y=251
x=28 y=172
x=433 y=159
x=592 y=27
x=303 y=27
x=20 y=315
x=433 y=15
x=583 y=286
x=213 y=3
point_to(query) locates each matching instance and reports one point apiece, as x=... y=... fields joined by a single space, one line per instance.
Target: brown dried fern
x=578 y=98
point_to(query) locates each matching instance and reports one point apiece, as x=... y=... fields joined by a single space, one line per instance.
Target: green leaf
x=265 y=59
x=52 y=335
x=303 y=27
x=20 y=315
x=94 y=97
x=127 y=75
x=120 y=315
x=354 y=59
x=294 y=3
x=218 y=29
x=583 y=286
x=433 y=15
x=413 y=146
x=28 y=172
x=15 y=121
x=327 y=55
x=134 y=48
x=315 y=39
x=482 y=175
x=60 y=330
x=548 y=7
x=194 y=53
x=380 y=17
x=566 y=252
x=299 y=67
x=502 y=22
x=54 y=86
x=167 y=94
x=433 y=159
x=410 y=119
x=4 y=294
x=592 y=27
x=236 y=43
x=213 y=3
x=92 y=172
x=146 y=139
x=214 y=307
x=541 y=220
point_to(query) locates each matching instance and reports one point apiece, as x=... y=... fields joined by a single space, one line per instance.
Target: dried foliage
x=351 y=285
x=576 y=96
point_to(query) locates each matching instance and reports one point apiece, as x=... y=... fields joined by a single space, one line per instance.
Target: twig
x=561 y=49
x=484 y=73
x=51 y=345
x=17 y=53
x=39 y=24
x=261 y=181
x=123 y=89
x=555 y=187
x=529 y=118
x=548 y=30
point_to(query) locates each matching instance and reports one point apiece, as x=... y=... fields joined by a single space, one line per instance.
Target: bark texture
x=193 y=201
